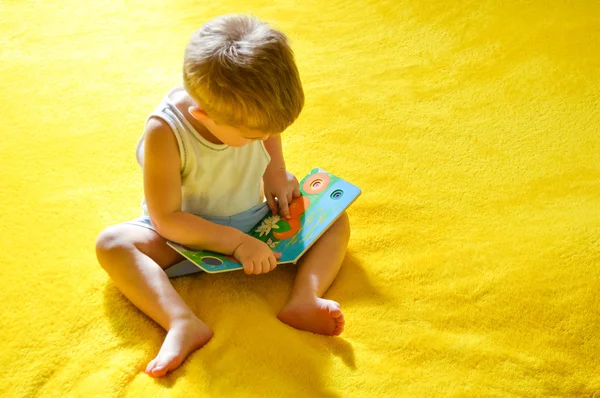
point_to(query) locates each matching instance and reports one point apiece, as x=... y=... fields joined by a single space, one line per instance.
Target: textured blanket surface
x=472 y=128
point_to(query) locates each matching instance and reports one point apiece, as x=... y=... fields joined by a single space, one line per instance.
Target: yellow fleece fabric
x=472 y=127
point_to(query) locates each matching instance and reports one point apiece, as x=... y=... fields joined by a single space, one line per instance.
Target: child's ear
x=197 y=113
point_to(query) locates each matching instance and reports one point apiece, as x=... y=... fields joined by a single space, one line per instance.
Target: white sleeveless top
x=217 y=180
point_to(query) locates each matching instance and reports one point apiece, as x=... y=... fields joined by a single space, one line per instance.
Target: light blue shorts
x=243 y=221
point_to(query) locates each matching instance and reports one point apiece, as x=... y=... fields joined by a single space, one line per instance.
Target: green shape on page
x=283 y=226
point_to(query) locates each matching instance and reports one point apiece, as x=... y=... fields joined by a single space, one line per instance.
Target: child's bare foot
x=182 y=339
x=315 y=315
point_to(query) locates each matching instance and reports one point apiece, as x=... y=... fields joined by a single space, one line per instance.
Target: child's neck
x=183 y=101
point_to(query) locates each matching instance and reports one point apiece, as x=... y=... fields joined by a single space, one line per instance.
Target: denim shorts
x=243 y=221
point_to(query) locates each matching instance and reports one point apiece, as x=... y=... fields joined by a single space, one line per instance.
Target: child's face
x=229 y=135
x=233 y=136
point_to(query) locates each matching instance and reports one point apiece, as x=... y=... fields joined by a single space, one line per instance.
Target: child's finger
x=248 y=267
x=271 y=203
x=265 y=266
x=283 y=206
x=272 y=263
x=297 y=193
x=258 y=268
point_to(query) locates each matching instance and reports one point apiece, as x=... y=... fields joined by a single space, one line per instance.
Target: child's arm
x=279 y=183
x=273 y=146
x=162 y=187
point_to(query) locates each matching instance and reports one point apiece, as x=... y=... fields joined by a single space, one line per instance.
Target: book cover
x=324 y=197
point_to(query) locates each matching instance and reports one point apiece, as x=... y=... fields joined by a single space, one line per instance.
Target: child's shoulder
x=156 y=126
x=158 y=141
x=179 y=97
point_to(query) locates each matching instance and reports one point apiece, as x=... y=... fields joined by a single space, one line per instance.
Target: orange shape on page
x=316 y=183
x=299 y=206
x=294 y=227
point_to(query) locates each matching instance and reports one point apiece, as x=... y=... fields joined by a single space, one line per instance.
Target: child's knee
x=124 y=242
x=110 y=242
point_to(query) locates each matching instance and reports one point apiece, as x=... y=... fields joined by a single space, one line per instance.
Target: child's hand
x=284 y=186
x=256 y=256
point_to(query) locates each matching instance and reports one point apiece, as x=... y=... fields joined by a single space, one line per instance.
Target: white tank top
x=216 y=180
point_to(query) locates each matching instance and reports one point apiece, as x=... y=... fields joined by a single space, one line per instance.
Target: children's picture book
x=324 y=197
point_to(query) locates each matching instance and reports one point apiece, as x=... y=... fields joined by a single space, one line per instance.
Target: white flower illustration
x=267 y=225
x=271 y=244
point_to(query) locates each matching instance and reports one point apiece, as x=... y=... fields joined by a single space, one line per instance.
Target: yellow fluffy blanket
x=472 y=128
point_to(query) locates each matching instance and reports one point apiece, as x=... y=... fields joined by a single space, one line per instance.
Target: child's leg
x=133 y=257
x=306 y=310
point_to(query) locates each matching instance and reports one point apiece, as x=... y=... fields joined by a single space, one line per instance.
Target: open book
x=324 y=197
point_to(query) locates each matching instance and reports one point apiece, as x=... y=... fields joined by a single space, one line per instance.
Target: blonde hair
x=242 y=73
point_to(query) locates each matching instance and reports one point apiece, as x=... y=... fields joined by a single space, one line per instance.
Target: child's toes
x=164 y=364
x=335 y=311
x=339 y=325
x=159 y=371
x=151 y=365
